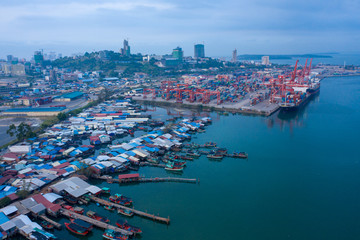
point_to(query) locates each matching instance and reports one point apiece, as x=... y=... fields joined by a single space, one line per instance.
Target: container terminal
x=257 y=94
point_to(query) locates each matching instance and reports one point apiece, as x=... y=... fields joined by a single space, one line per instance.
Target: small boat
x=108 y=207
x=172 y=167
x=78 y=210
x=203 y=152
x=193 y=154
x=153 y=160
x=105 y=190
x=121 y=199
x=125 y=212
x=221 y=150
x=213 y=156
x=111 y=234
x=82 y=224
x=98 y=217
x=70 y=199
x=47 y=225
x=68 y=207
x=186 y=158
x=72 y=227
x=239 y=155
x=209 y=145
x=123 y=224
x=195 y=145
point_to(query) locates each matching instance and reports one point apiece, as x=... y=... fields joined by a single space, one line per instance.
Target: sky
x=158 y=26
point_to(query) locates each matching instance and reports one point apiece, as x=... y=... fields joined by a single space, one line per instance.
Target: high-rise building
x=265 y=60
x=126 y=50
x=38 y=57
x=234 y=56
x=9 y=58
x=18 y=69
x=178 y=53
x=199 y=51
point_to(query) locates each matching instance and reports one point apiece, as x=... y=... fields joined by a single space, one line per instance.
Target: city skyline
x=157 y=27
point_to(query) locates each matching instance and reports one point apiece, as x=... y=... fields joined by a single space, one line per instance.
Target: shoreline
x=202 y=107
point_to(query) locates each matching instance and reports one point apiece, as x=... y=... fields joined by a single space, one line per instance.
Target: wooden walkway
x=92 y=221
x=137 y=212
x=143 y=180
x=56 y=224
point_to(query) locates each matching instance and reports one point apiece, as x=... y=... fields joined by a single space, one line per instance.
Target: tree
x=61 y=116
x=22 y=132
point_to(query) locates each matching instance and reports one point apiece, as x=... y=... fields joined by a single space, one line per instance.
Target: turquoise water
x=301 y=181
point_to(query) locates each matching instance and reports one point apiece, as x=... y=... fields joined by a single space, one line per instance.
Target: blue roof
x=3 y=218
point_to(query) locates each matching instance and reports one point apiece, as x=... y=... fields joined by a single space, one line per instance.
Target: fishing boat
x=239 y=155
x=70 y=199
x=125 y=212
x=193 y=154
x=203 y=152
x=108 y=207
x=195 y=145
x=209 y=145
x=72 y=227
x=186 y=158
x=221 y=150
x=96 y=216
x=153 y=160
x=123 y=224
x=213 y=156
x=47 y=225
x=172 y=167
x=105 y=190
x=79 y=210
x=121 y=199
x=111 y=234
x=82 y=224
x=68 y=207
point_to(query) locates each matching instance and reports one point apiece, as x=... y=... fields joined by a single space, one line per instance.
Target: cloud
x=160 y=25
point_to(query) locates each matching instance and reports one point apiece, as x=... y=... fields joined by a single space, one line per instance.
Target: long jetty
x=92 y=221
x=56 y=224
x=137 y=212
x=143 y=180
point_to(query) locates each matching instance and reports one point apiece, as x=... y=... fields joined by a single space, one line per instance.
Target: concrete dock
x=137 y=212
x=71 y=214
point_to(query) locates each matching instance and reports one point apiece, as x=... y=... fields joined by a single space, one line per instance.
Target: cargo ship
x=292 y=101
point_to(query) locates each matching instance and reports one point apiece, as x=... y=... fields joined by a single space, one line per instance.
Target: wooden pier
x=143 y=180
x=152 y=164
x=71 y=214
x=137 y=212
x=56 y=224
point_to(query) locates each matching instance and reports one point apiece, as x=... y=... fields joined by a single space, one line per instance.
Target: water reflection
x=291 y=119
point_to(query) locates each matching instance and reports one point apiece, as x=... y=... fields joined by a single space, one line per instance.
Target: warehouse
x=34 y=112
x=68 y=97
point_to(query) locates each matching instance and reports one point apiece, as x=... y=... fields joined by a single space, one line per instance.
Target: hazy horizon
x=156 y=27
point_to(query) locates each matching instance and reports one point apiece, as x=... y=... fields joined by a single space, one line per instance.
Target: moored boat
x=123 y=224
x=125 y=212
x=209 y=145
x=47 y=225
x=98 y=217
x=121 y=199
x=111 y=234
x=82 y=224
x=105 y=190
x=213 y=156
x=72 y=227
x=78 y=210
x=172 y=167
x=108 y=207
x=239 y=155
